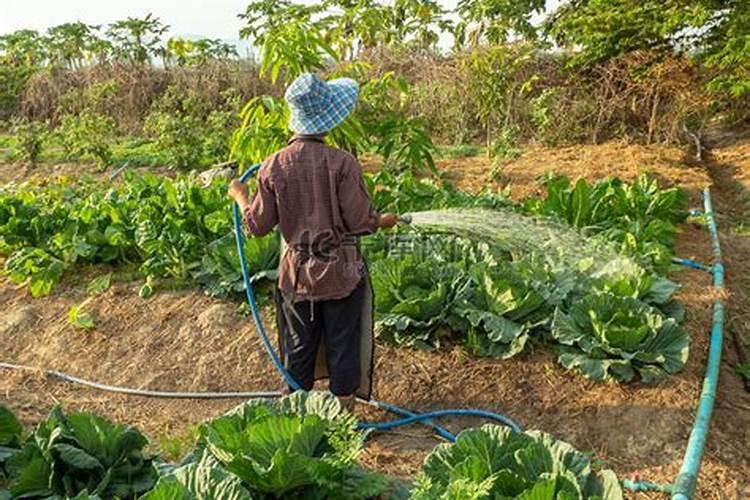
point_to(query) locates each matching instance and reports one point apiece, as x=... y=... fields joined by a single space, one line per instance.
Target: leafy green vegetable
x=402 y=193
x=220 y=274
x=508 y=301
x=640 y=216
x=205 y=478
x=79 y=319
x=81 y=452
x=170 y=228
x=10 y=437
x=495 y=462
x=100 y=284
x=624 y=279
x=618 y=337
x=414 y=296
x=303 y=445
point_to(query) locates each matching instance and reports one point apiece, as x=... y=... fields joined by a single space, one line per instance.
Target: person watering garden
x=317 y=196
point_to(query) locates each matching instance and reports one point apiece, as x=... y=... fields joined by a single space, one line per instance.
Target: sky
x=209 y=18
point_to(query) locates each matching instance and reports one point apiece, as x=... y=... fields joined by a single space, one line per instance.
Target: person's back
x=322 y=204
x=317 y=196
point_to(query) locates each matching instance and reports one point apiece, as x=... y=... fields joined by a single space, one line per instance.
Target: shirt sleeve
x=261 y=216
x=357 y=211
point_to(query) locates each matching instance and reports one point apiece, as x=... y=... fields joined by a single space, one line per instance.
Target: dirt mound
x=590 y=161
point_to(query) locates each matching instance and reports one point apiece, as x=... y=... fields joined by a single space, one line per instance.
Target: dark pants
x=336 y=323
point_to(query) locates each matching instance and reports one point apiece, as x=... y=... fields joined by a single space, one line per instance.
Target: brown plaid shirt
x=318 y=197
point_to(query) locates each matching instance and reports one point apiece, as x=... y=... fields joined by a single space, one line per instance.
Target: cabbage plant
x=493 y=463
x=611 y=337
x=507 y=302
x=301 y=446
x=81 y=455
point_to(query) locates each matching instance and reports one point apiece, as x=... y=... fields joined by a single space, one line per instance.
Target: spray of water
x=559 y=244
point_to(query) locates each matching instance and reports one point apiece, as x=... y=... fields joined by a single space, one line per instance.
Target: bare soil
x=184 y=340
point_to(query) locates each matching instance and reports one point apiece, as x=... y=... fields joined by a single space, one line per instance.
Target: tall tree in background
x=716 y=31
x=72 y=44
x=136 y=40
x=23 y=47
x=496 y=21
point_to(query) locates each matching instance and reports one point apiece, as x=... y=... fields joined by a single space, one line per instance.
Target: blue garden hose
x=409 y=417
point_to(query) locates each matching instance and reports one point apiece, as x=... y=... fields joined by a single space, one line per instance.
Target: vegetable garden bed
x=530 y=387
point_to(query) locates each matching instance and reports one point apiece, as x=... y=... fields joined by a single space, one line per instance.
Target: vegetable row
x=301 y=446
x=619 y=323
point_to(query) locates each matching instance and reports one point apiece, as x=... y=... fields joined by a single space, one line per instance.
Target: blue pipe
x=410 y=417
x=443 y=413
x=439 y=430
x=687 y=479
x=691 y=263
x=643 y=485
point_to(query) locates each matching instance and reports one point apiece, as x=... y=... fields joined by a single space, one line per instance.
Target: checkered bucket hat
x=319 y=106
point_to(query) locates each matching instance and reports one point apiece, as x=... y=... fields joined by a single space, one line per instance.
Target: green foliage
x=136 y=40
x=542 y=115
x=99 y=284
x=404 y=145
x=508 y=301
x=619 y=337
x=165 y=226
x=175 y=447
x=262 y=132
x=714 y=32
x=219 y=128
x=414 y=297
x=186 y=129
x=495 y=462
x=23 y=48
x=199 y=52
x=506 y=145
x=35 y=266
x=30 y=138
x=606 y=29
x=81 y=453
x=14 y=78
x=403 y=193
x=497 y=76
x=495 y=21
x=176 y=124
x=743 y=370
x=88 y=135
x=71 y=44
x=80 y=319
x=10 y=438
x=220 y=275
x=640 y=216
x=301 y=446
x=205 y=478
x=459 y=151
x=138 y=152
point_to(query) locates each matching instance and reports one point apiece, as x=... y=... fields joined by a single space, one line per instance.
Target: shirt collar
x=308 y=138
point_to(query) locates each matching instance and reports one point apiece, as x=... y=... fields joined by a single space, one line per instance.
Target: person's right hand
x=387 y=221
x=237 y=190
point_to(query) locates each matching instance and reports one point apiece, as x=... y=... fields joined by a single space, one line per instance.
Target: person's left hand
x=237 y=190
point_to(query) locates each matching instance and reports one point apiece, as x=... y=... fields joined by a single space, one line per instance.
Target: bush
x=220 y=124
x=506 y=145
x=88 y=135
x=30 y=137
x=178 y=136
x=190 y=130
